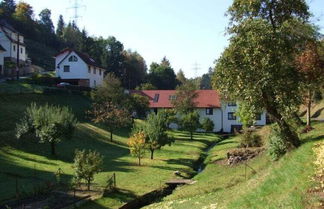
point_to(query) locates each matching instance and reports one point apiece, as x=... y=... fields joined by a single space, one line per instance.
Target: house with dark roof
x=208 y=104
x=78 y=68
x=13 y=44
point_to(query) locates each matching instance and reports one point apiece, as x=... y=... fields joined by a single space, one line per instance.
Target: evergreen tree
x=46 y=20
x=60 y=26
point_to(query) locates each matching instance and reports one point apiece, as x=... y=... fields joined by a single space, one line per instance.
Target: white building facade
x=14 y=46
x=78 y=68
x=208 y=105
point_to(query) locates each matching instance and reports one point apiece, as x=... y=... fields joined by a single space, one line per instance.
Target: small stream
x=157 y=195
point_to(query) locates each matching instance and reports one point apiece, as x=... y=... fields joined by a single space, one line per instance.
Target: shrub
x=207 y=124
x=277 y=146
x=250 y=139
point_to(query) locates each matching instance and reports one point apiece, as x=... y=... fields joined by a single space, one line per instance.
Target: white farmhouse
x=208 y=104
x=78 y=69
x=14 y=46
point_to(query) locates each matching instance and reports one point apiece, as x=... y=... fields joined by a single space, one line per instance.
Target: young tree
x=137 y=145
x=48 y=123
x=155 y=131
x=247 y=114
x=185 y=98
x=86 y=165
x=207 y=124
x=312 y=71
x=110 y=115
x=257 y=66
x=190 y=122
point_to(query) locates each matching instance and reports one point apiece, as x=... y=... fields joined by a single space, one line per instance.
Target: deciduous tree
x=137 y=145
x=258 y=65
x=190 y=122
x=86 y=165
x=49 y=124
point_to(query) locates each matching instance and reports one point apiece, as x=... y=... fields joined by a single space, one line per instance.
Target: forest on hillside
x=43 y=40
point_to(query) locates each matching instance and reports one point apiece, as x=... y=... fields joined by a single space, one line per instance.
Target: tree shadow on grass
x=318 y=113
x=312 y=139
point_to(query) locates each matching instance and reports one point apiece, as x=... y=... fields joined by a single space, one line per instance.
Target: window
x=89 y=69
x=21 y=50
x=209 y=111
x=258 y=116
x=99 y=71
x=14 y=48
x=73 y=59
x=172 y=97
x=94 y=70
x=156 y=98
x=95 y=83
x=231 y=104
x=66 y=68
x=231 y=116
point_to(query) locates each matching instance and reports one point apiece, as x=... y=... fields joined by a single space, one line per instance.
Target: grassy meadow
x=31 y=163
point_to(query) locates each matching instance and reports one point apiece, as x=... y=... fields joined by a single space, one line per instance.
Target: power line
x=76 y=6
x=196 y=68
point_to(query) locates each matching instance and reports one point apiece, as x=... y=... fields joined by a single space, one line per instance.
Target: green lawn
x=281 y=184
x=29 y=160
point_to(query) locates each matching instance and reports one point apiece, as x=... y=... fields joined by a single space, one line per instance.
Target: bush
x=207 y=125
x=277 y=146
x=250 y=139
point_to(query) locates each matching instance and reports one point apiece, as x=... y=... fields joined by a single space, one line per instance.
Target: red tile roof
x=205 y=98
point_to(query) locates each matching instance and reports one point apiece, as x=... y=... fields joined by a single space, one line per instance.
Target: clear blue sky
x=185 y=31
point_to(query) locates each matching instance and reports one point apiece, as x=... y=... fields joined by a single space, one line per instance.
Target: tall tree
x=7 y=8
x=135 y=69
x=181 y=77
x=258 y=66
x=115 y=57
x=312 y=70
x=72 y=36
x=46 y=20
x=162 y=75
x=60 y=27
x=205 y=82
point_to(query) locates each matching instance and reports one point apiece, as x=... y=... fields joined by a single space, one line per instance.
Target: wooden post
x=114 y=180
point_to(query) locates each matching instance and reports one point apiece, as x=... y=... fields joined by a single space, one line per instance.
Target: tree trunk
x=111 y=135
x=289 y=135
x=53 y=148
x=152 y=152
x=309 y=105
x=139 y=161
x=297 y=119
x=191 y=135
x=89 y=182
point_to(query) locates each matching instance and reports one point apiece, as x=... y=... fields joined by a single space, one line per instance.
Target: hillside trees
x=7 y=8
x=311 y=68
x=162 y=75
x=50 y=124
x=258 y=66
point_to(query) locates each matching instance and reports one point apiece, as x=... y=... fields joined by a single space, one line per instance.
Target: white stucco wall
x=9 y=46
x=78 y=70
x=220 y=118
x=227 y=124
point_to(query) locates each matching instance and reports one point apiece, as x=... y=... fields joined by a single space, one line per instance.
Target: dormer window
x=172 y=97
x=156 y=98
x=73 y=59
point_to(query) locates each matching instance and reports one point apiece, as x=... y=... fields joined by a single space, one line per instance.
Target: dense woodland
x=43 y=40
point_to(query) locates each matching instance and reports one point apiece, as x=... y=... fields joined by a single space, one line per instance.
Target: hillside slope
x=281 y=184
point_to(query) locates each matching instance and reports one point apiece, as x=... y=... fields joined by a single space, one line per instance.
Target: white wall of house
x=220 y=118
x=227 y=123
x=78 y=70
x=11 y=48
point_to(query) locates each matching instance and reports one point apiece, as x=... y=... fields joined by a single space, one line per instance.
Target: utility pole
x=196 y=67
x=76 y=6
x=18 y=50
